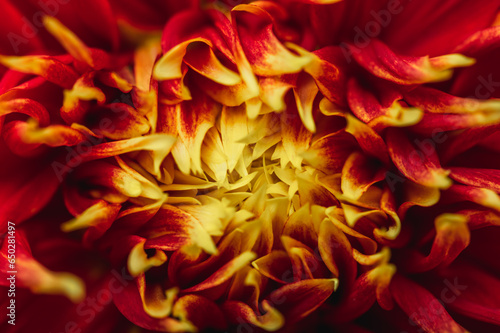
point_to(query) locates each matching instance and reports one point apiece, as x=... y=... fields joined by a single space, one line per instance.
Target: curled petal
x=26 y=106
x=452 y=237
x=417 y=195
x=275 y=265
x=270 y=321
x=139 y=261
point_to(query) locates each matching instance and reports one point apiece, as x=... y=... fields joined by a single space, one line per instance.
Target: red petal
x=49 y=68
x=452 y=237
x=421 y=167
x=485 y=178
x=424 y=309
x=266 y=54
x=378 y=59
x=471 y=291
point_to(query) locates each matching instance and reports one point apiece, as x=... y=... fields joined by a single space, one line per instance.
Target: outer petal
x=31 y=274
x=378 y=59
x=298 y=299
x=472 y=292
x=485 y=178
x=423 y=308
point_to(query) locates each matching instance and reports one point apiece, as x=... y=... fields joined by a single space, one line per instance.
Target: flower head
x=255 y=165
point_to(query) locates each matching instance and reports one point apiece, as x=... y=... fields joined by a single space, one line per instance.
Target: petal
x=29 y=273
x=369 y=287
x=49 y=68
x=139 y=261
x=480 y=218
x=297 y=300
x=370 y=142
x=472 y=291
x=358 y=174
x=480 y=41
x=156 y=301
x=271 y=320
x=379 y=115
x=296 y=138
x=466 y=140
x=171 y=228
x=15 y=206
x=436 y=101
x=422 y=307
x=335 y=251
x=417 y=195
x=28 y=135
x=159 y=144
x=224 y=273
x=452 y=237
x=98 y=218
x=330 y=152
x=275 y=265
x=26 y=106
x=418 y=166
x=130 y=304
x=481 y=196
x=265 y=53
x=191 y=120
x=485 y=178
x=305 y=93
x=200 y=311
x=68 y=40
x=379 y=60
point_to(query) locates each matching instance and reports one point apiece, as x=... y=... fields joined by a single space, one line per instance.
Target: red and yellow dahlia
x=249 y=166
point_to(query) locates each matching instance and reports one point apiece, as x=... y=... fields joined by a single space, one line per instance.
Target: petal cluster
x=240 y=166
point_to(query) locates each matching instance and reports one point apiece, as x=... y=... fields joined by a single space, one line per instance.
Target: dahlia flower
x=249 y=166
